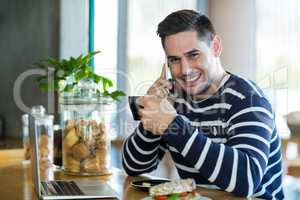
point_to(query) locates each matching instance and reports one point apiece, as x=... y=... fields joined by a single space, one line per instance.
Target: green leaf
x=43 y=87
x=173 y=197
x=56 y=86
x=106 y=83
x=115 y=95
x=80 y=75
x=40 y=65
x=53 y=63
x=89 y=56
x=69 y=87
x=39 y=79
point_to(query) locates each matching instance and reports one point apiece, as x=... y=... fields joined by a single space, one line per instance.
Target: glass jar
x=36 y=111
x=26 y=140
x=44 y=131
x=85 y=124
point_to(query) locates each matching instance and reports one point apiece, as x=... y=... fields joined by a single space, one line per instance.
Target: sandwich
x=183 y=189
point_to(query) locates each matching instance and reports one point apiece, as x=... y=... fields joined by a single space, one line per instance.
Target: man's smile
x=192 y=80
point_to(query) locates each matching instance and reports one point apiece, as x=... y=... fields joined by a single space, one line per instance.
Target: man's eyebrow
x=170 y=57
x=187 y=53
x=192 y=51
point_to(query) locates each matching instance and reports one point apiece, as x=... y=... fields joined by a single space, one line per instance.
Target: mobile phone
x=134 y=107
x=170 y=78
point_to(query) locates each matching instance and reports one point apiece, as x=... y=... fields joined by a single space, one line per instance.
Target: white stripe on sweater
x=252 y=136
x=274 y=138
x=275 y=151
x=214 y=123
x=189 y=143
x=247 y=146
x=249 y=110
x=203 y=154
x=254 y=88
x=275 y=192
x=162 y=148
x=171 y=148
x=185 y=168
x=218 y=140
x=135 y=160
x=263 y=189
x=234 y=93
x=223 y=81
x=150 y=140
x=141 y=151
x=232 y=182
x=250 y=179
x=204 y=123
x=251 y=123
x=258 y=167
x=218 y=165
x=274 y=163
x=138 y=170
x=204 y=109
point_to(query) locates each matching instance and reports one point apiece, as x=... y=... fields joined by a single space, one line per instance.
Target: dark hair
x=186 y=20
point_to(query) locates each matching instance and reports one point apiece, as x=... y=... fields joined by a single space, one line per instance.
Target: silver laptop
x=58 y=189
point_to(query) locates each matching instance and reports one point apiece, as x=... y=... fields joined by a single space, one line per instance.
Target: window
x=278 y=44
x=145 y=54
x=105 y=38
x=131 y=53
x=105 y=41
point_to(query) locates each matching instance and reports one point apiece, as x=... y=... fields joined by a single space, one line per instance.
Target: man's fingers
x=141 y=113
x=165 y=84
x=163 y=75
x=145 y=101
x=140 y=101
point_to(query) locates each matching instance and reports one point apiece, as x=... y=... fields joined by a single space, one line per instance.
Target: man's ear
x=217 y=46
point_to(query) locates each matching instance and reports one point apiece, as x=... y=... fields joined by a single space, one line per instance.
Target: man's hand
x=161 y=86
x=156 y=113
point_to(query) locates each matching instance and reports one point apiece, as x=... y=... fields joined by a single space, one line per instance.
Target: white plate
x=140 y=185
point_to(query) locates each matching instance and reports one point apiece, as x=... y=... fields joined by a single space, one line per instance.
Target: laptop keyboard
x=61 y=188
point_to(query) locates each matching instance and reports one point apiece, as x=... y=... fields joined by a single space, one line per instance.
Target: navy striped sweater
x=229 y=141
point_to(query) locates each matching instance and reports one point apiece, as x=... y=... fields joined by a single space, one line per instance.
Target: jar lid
x=25 y=119
x=38 y=110
x=85 y=92
x=45 y=119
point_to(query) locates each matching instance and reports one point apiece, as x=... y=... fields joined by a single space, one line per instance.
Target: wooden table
x=16 y=180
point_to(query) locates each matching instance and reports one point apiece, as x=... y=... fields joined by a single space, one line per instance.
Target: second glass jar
x=85 y=142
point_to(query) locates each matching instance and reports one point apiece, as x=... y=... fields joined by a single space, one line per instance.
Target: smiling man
x=220 y=129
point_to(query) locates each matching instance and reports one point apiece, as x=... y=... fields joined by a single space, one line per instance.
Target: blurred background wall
x=234 y=21
x=29 y=31
x=32 y=30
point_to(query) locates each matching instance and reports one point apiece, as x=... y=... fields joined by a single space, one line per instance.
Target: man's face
x=192 y=62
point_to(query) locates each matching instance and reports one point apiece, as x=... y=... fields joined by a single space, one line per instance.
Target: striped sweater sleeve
x=238 y=165
x=142 y=152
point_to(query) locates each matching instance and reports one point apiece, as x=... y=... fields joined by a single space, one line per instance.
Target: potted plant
x=83 y=98
x=66 y=74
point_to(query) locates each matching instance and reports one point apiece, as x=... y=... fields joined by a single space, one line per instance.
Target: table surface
x=16 y=180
